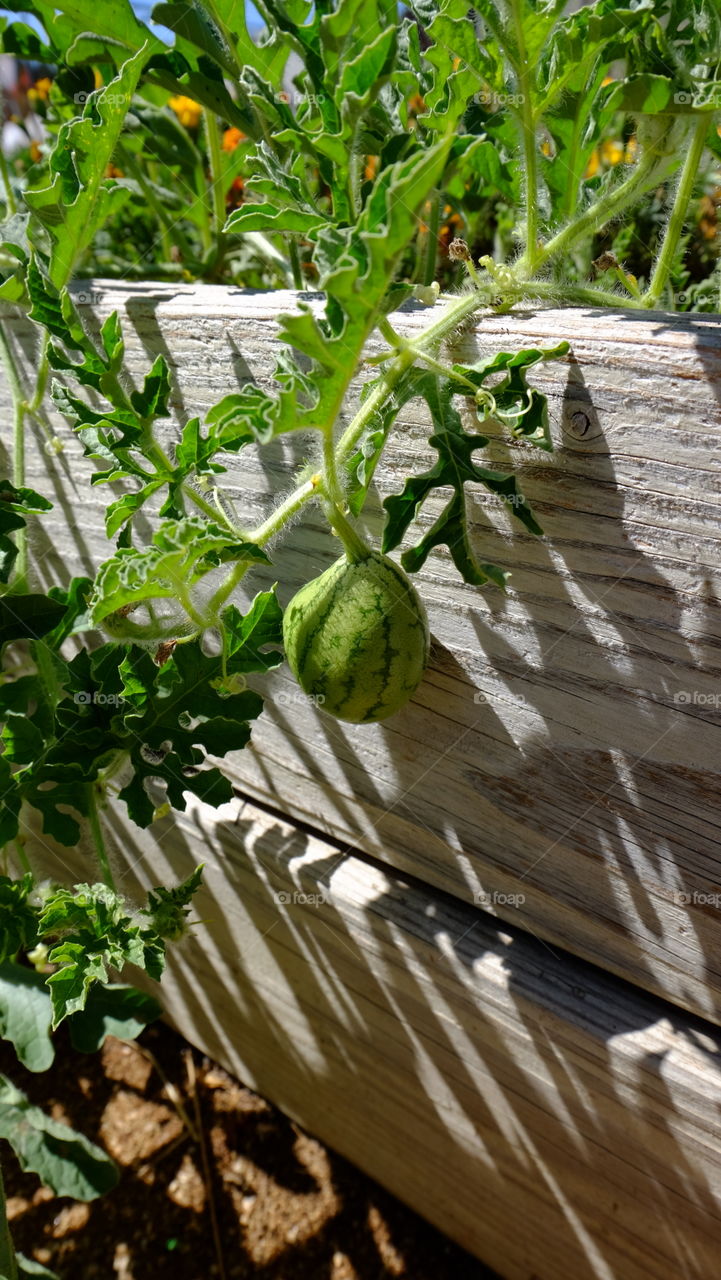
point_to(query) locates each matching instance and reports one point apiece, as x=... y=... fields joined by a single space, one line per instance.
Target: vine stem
x=8 y=1260
x=295 y=263
x=42 y=376
x=20 y=580
x=455 y=313
x=9 y=194
x=528 y=128
x=23 y=858
x=674 y=227
x=295 y=500
x=596 y=216
x=576 y=293
x=217 y=185
x=97 y=834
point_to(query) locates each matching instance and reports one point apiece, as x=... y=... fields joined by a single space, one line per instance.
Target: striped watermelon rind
x=357 y=638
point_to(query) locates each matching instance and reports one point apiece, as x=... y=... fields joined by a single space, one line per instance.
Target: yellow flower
x=35 y=152
x=594 y=164
x=611 y=151
x=40 y=90
x=98 y=78
x=187 y=110
x=631 y=150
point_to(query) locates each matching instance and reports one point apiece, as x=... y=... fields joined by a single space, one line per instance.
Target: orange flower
x=187 y=110
x=371 y=168
x=35 y=152
x=231 y=138
x=112 y=172
x=452 y=223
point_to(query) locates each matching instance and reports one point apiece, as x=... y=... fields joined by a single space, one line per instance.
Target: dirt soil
x=195 y=1146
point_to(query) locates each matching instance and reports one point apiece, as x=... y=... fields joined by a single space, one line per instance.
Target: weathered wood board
x=559 y=1123
x=560 y=762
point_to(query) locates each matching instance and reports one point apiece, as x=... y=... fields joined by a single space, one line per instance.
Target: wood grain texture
x=557 y=1122
x=559 y=764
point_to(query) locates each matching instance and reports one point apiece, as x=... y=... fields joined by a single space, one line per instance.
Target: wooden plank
x=561 y=758
x=554 y=1120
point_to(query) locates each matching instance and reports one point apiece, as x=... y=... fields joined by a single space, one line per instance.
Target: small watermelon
x=357 y=639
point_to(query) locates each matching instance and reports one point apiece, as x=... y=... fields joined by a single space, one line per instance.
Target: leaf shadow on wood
x=513 y=1093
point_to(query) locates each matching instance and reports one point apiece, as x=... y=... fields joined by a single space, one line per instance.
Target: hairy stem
x=575 y=293
x=610 y=206
x=528 y=130
x=296 y=499
x=20 y=580
x=674 y=228
x=97 y=833
x=22 y=857
x=356 y=547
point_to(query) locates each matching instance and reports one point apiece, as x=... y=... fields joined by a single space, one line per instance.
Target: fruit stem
x=356 y=548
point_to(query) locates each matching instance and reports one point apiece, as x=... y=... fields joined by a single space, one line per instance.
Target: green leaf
x=111 y=336
x=95 y=931
x=181 y=552
x=22 y=741
x=18 y=920
x=169 y=908
x=123 y=509
x=66 y=1161
x=169 y=715
x=194 y=22
x=269 y=219
x=30 y=615
x=15 y=504
x=114 y=18
x=22 y=499
x=116 y=1010
x=26 y=1015
x=647 y=94
x=455 y=468
x=10 y=804
x=80 y=197
x=74 y=599
x=152 y=401
x=361 y=466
